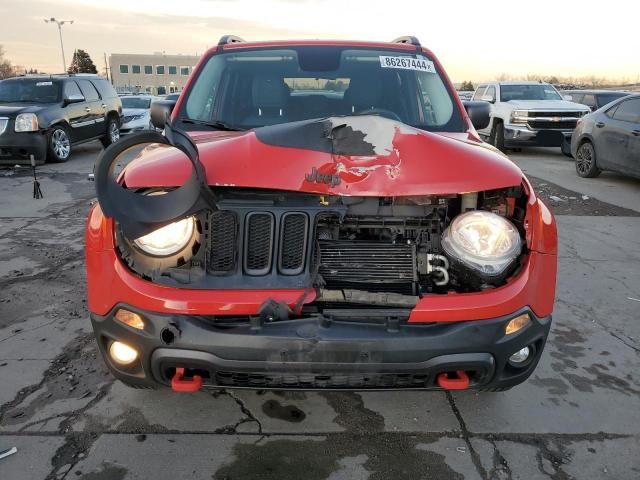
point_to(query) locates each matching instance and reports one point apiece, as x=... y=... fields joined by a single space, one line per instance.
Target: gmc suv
x=45 y=116
x=528 y=114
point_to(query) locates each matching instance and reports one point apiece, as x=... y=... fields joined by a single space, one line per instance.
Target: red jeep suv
x=318 y=215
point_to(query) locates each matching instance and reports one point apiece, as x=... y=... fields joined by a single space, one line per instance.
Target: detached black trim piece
x=139 y=214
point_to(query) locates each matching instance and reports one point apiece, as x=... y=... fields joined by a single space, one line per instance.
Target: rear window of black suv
x=104 y=88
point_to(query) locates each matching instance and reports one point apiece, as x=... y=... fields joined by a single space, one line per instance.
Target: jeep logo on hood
x=317 y=177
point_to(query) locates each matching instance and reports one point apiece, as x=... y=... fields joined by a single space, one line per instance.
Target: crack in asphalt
x=248 y=418
x=53 y=215
x=500 y=464
x=475 y=457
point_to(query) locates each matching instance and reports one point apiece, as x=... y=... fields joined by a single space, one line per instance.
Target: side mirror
x=68 y=100
x=568 y=98
x=488 y=99
x=161 y=111
x=479 y=113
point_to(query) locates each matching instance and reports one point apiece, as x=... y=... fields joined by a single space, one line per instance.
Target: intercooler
x=367 y=265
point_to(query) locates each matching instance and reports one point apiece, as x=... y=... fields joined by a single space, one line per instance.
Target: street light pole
x=60 y=23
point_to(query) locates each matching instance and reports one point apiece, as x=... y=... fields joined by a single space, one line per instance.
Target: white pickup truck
x=528 y=114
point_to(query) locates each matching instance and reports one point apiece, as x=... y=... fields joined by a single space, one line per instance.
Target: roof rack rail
x=226 y=39
x=409 y=39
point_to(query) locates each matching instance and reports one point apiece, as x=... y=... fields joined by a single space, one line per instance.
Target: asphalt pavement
x=577 y=417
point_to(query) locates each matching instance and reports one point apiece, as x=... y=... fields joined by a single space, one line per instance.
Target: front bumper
x=523 y=136
x=133 y=126
x=20 y=145
x=314 y=353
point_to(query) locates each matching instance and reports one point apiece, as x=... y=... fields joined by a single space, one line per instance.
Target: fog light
x=122 y=353
x=517 y=324
x=130 y=318
x=520 y=356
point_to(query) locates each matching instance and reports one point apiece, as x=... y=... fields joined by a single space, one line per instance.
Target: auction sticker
x=43 y=84
x=407 y=63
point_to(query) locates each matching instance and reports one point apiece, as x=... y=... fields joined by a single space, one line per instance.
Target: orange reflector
x=130 y=318
x=517 y=324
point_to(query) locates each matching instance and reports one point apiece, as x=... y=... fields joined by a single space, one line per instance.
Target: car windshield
x=136 y=102
x=29 y=91
x=258 y=87
x=538 y=91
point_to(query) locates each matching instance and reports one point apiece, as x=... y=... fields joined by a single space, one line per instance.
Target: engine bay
x=356 y=250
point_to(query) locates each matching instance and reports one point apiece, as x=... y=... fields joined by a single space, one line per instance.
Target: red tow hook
x=179 y=384
x=446 y=382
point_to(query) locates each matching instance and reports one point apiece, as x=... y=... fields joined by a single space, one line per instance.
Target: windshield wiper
x=218 y=125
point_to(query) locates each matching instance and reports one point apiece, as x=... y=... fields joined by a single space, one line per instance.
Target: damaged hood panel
x=354 y=155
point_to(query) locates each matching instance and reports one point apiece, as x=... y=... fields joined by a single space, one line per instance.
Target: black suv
x=46 y=115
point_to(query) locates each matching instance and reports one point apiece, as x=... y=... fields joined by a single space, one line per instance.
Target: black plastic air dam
x=139 y=214
x=290 y=354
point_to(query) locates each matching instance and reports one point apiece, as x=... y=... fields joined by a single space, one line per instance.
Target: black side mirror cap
x=161 y=111
x=479 y=113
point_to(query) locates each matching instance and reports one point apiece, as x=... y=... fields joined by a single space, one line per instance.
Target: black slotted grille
x=223 y=242
x=259 y=242
x=294 y=240
x=328 y=380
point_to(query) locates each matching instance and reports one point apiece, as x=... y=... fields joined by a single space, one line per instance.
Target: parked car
x=594 y=99
x=609 y=139
x=465 y=96
x=330 y=234
x=46 y=116
x=136 y=113
x=528 y=114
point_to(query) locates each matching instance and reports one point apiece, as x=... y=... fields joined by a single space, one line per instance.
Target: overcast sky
x=474 y=40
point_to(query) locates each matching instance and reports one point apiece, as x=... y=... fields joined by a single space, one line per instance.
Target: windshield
x=29 y=91
x=254 y=88
x=136 y=102
x=538 y=91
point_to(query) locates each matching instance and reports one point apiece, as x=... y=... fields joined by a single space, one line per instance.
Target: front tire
x=113 y=132
x=58 y=145
x=586 y=165
x=497 y=135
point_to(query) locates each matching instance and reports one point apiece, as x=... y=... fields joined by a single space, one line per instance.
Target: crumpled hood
x=550 y=105
x=363 y=155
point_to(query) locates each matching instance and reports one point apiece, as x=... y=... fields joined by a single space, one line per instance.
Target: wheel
x=586 y=165
x=113 y=132
x=565 y=148
x=497 y=135
x=59 y=145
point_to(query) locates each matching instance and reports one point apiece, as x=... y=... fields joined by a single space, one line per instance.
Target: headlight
x=26 y=122
x=483 y=241
x=519 y=116
x=169 y=239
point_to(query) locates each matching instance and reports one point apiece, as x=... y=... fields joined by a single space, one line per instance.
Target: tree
x=82 y=63
x=467 y=86
x=6 y=70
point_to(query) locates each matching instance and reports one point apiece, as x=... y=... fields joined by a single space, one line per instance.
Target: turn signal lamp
x=517 y=324
x=130 y=318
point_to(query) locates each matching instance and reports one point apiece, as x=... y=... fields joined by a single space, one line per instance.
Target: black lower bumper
x=21 y=145
x=314 y=353
x=517 y=137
